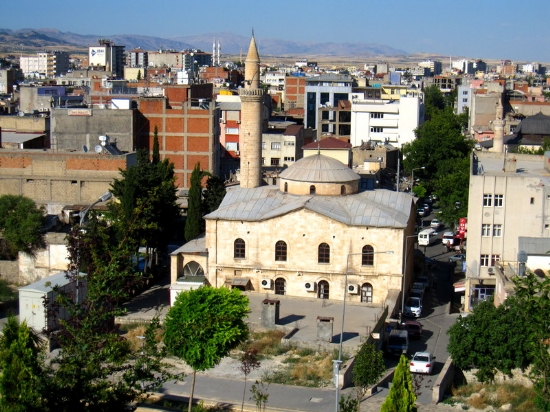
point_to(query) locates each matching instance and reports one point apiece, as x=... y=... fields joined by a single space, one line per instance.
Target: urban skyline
x=487 y=30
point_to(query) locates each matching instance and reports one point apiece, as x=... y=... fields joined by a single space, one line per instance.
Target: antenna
x=98 y=148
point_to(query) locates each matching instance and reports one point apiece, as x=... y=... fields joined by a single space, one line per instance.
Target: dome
x=538 y=124
x=319 y=169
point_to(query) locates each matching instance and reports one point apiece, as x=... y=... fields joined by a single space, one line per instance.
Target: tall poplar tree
x=194 y=224
x=401 y=397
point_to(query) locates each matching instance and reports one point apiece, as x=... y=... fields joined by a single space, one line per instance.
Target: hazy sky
x=488 y=29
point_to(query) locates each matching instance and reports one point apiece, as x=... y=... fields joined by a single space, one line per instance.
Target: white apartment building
x=509 y=198
x=45 y=64
x=387 y=121
x=107 y=56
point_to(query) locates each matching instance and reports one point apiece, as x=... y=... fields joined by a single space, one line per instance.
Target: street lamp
x=416 y=168
x=404 y=279
x=103 y=198
x=338 y=362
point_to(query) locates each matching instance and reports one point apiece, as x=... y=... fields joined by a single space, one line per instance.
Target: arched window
x=280 y=251
x=286 y=187
x=366 y=293
x=324 y=253
x=239 y=249
x=343 y=190
x=323 y=292
x=280 y=286
x=312 y=190
x=367 y=259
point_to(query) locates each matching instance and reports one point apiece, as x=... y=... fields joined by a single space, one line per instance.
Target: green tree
x=531 y=305
x=194 y=224
x=22 y=375
x=452 y=183
x=368 y=368
x=203 y=325
x=401 y=397
x=139 y=75
x=152 y=182
x=490 y=339
x=155 y=158
x=214 y=194
x=433 y=100
x=21 y=225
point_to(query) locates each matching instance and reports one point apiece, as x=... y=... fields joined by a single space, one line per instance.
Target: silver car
x=413 y=307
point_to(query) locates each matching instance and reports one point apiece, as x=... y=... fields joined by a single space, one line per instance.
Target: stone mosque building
x=305 y=236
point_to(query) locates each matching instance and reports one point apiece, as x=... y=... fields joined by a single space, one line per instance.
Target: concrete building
x=137 y=58
x=107 y=56
x=57 y=179
x=386 y=121
x=7 y=81
x=45 y=64
x=327 y=90
x=509 y=198
x=295 y=91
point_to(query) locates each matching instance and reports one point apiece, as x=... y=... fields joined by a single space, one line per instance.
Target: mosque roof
x=319 y=169
x=538 y=124
x=374 y=208
x=328 y=143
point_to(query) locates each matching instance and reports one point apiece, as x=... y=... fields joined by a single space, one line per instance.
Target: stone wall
x=46 y=262
x=9 y=271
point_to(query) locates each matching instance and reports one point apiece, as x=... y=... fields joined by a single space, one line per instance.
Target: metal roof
x=46 y=285
x=318 y=168
x=229 y=106
x=197 y=245
x=375 y=208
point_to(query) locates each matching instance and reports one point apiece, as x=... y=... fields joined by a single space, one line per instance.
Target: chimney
x=510 y=165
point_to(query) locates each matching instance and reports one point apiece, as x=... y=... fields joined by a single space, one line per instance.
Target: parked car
x=416 y=293
x=413 y=307
x=398 y=343
x=422 y=362
x=426 y=207
x=448 y=239
x=414 y=328
x=425 y=280
x=420 y=212
x=435 y=224
x=418 y=286
x=459 y=258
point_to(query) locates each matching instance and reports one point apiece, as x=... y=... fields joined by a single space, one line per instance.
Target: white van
x=427 y=237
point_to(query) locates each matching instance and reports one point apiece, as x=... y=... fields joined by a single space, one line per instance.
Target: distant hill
x=28 y=39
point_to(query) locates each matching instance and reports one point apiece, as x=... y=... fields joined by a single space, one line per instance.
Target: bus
x=427 y=237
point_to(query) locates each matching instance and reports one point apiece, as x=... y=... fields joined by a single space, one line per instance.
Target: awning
x=240 y=282
x=460 y=286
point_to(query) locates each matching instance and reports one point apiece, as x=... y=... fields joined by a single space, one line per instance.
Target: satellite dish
x=85 y=149
x=98 y=148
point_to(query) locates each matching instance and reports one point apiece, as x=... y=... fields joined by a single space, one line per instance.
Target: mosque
x=314 y=235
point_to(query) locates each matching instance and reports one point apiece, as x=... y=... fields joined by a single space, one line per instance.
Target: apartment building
x=107 y=56
x=45 y=64
x=509 y=198
x=385 y=121
x=295 y=90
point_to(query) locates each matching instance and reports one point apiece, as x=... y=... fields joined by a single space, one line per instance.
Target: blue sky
x=486 y=29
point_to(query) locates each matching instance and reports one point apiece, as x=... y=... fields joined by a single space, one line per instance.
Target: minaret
x=251 y=120
x=498 y=128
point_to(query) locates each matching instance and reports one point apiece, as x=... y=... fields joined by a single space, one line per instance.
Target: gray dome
x=319 y=169
x=536 y=124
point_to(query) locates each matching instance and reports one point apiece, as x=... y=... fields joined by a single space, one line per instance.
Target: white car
x=413 y=307
x=422 y=362
x=435 y=224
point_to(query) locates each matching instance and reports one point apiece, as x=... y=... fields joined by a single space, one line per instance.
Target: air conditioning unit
x=266 y=283
x=353 y=289
x=491 y=270
x=238 y=122
x=222 y=121
x=310 y=286
x=237 y=152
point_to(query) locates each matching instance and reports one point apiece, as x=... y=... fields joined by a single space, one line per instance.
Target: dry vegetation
x=481 y=396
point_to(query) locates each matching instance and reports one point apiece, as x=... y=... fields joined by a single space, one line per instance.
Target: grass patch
x=267 y=343
x=132 y=331
x=303 y=367
x=481 y=396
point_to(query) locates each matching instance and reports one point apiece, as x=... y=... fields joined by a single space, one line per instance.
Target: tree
x=249 y=362
x=194 y=224
x=21 y=363
x=21 y=225
x=368 y=368
x=205 y=324
x=452 y=182
x=152 y=182
x=490 y=339
x=138 y=75
x=531 y=305
x=214 y=194
x=433 y=100
x=401 y=397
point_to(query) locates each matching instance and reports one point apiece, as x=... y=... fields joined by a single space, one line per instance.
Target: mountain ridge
x=232 y=44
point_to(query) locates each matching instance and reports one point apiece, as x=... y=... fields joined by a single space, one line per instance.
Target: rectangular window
x=487 y=200
x=275 y=145
x=464 y=100
x=376 y=130
x=465 y=92
x=377 y=115
x=485 y=229
x=275 y=161
x=532 y=201
x=231 y=130
x=289 y=143
x=263 y=145
x=484 y=260
x=289 y=159
x=499 y=200
x=495 y=259
x=497 y=230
